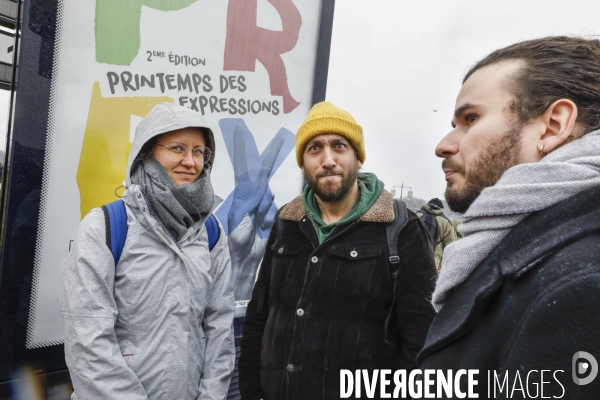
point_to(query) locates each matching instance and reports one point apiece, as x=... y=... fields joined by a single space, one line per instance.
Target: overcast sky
x=394 y=63
x=397 y=67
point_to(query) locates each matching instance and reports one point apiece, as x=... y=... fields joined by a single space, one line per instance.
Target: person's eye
x=340 y=146
x=314 y=148
x=471 y=118
x=199 y=151
x=178 y=148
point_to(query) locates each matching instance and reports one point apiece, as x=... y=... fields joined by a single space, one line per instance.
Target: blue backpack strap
x=115 y=217
x=212 y=229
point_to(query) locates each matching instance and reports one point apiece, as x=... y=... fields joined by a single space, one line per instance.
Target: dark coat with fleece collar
x=319 y=308
x=528 y=308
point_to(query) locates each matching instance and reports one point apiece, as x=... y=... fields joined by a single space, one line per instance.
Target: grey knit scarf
x=177 y=207
x=523 y=189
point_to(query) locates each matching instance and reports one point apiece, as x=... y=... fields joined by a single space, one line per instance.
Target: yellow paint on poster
x=106 y=146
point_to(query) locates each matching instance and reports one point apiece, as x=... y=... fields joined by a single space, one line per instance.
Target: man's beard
x=486 y=170
x=331 y=194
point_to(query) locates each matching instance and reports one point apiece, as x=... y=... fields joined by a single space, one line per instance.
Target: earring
x=541 y=150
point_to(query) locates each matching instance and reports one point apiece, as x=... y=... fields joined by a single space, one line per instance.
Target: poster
x=247 y=66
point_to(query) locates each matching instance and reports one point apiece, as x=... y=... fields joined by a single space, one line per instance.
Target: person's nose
x=448 y=146
x=188 y=160
x=328 y=158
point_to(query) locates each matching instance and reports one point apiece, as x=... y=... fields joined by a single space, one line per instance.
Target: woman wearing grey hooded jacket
x=158 y=325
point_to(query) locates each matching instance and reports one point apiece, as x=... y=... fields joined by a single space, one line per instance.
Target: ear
x=302 y=169
x=359 y=164
x=559 y=120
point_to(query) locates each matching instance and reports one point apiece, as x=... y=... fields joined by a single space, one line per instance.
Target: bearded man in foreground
x=518 y=298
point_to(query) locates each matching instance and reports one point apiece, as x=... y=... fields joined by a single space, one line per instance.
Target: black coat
x=530 y=306
x=316 y=309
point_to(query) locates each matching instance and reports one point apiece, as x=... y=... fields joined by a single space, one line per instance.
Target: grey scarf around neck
x=177 y=207
x=523 y=189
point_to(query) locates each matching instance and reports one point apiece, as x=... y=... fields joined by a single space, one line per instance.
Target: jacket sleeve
x=219 y=359
x=85 y=295
x=416 y=281
x=254 y=326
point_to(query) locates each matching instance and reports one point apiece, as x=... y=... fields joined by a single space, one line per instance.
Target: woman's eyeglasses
x=178 y=151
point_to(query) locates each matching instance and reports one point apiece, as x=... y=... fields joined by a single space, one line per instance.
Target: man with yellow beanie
x=334 y=292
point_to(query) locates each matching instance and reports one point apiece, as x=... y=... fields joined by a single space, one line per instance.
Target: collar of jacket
x=381 y=211
x=527 y=246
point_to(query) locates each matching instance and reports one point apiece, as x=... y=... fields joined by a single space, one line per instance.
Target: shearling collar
x=381 y=211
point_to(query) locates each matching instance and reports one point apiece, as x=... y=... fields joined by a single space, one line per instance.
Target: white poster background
x=198 y=30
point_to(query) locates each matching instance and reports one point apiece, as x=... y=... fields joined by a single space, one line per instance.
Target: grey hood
x=166 y=117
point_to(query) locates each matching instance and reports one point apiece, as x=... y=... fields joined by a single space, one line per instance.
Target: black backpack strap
x=392 y=232
x=431 y=224
x=432 y=220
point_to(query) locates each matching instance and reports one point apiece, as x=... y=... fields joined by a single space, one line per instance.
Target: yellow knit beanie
x=326 y=118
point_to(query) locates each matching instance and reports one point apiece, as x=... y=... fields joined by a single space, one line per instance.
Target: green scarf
x=370 y=188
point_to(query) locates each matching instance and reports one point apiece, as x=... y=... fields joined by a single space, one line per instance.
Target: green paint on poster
x=118 y=27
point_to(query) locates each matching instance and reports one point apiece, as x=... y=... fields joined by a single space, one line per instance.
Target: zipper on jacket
x=165 y=234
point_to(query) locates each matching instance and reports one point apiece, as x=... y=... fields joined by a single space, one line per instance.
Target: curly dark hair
x=556 y=67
